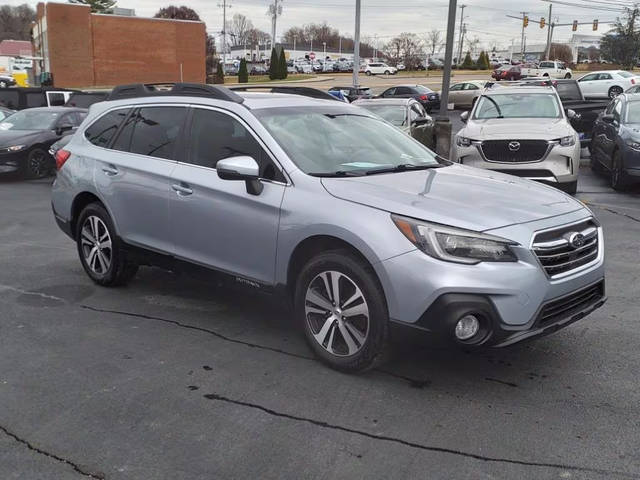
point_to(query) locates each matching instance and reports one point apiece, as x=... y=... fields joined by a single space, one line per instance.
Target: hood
x=14 y=137
x=521 y=128
x=457 y=196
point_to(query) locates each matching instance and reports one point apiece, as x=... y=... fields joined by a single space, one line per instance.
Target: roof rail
x=173 y=89
x=293 y=90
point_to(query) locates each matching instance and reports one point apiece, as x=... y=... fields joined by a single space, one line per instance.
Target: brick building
x=84 y=49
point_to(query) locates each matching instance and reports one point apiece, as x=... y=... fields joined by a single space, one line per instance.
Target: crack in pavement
x=28 y=292
x=408 y=443
x=413 y=382
x=75 y=466
x=611 y=210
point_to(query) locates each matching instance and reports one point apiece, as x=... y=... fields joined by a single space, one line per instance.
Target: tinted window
x=9 y=99
x=403 y=91
x=568 y=91
x=215 y=136
x=102 y=130
x=390 y=92
x=56 y=99
x=156 y=131
x=123 y=141
x=35 y=100
x=546 y=65
x=589 y=78
x=604 y=76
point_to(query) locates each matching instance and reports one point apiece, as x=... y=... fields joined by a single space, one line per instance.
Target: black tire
x=374 y=349
x=596 y=166
x=368 y=73
x=614 y=92
x=619 y=178
x=120 y=269
x=568 y=75
x=387 y=72
x=38 y=163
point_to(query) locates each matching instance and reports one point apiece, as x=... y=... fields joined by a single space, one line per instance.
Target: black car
x=7 y=81
x=615 y=147
x=353 y=93
x=27 y=135
x=428 y=98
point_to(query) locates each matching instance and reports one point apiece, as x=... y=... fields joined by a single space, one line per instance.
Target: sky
x=383 y=19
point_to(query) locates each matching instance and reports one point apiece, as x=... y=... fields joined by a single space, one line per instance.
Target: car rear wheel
x=101 y=253
x=619 y=178
x=38 y=164
x=614 y=92
x=568 y=75
x=341 y=305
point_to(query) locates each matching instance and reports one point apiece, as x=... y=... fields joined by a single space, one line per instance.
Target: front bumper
x=559 y=165
x=11 y=162
x=429 y=296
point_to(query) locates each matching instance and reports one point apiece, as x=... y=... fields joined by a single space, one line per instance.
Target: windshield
x=633 y=112
x=394 y=114
x=518 y=105
x=29 y=120
x=338 y=141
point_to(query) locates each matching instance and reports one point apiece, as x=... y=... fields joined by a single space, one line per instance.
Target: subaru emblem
x=576 y=240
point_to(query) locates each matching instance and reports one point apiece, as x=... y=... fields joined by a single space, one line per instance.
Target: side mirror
x=608 y=118
x=242 y=168
x=464 y=116
x=65 y=127
x=421 y=121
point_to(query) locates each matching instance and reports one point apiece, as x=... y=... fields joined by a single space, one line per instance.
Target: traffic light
x=542 y=22
x=575 y=25
x=525 y=21
x=595 y=25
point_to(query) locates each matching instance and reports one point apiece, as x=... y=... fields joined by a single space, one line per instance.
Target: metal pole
x=553 y=25
x=224 y=34
x=448 y=58
x=549 y=29
x=356 y=46
x=524 y=14
x=340 y=47
x=294 y=44
x=273 y=23
x=461 y=37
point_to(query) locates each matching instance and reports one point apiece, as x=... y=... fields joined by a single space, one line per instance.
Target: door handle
x=182 y=190
x=110 y=170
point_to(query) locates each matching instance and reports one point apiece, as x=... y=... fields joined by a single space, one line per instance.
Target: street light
x=324 y=50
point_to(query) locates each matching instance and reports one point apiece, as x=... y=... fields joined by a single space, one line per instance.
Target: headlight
x=568 y=141
x=14 y=148
x=463 y=141
x=633 y=145
x=453 y=244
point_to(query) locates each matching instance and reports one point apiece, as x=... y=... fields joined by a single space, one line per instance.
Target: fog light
x=467 y=327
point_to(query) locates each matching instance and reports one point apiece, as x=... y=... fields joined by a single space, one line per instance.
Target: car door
x=215 y=222
x=469 y=92
x=133 y=171
x=423 y=132
x=604 y=83
x=389 y=93
x=610 y=133
x=404 y=92
x=589 y=84
x=598 y=137
x=455 y=94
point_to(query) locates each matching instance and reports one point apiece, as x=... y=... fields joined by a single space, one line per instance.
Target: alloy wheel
x=614 y=92
x=337 y=313
x=96 y=245
x=37 y=164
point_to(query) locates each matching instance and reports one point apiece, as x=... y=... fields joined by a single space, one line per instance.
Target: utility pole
x=294 y=43
x=443 y=124
x=275 y=9
x=461 y=38
x=356 y=45
x=224 y=32
x=524 y=15
x=549 y=30
x=340 y=47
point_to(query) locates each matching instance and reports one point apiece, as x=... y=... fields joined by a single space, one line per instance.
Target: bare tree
x=406 y=48
x=179 y=13
x=473 y=45
x=255 y=36
x=239 y=28
x=434 y=41
x=15 y=22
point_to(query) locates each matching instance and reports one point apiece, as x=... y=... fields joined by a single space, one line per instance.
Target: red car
x=507 y=72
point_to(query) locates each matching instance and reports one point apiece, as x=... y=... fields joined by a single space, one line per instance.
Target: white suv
x=379 y=69
x=521 y=131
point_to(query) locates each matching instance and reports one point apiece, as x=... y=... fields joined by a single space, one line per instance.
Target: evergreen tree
x=243 y=74
x=273 y=65
x=282 y=61
x=467 y=63
x=483 y=61
x=219 y=75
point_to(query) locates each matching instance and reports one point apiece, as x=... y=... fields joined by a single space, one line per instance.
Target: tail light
x=423 y=98
x=633 y=81
x=61 y=157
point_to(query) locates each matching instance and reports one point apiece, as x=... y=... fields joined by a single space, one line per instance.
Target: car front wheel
x=368 y=73
x=101 y=253
x=343 y=312
x=38 y=164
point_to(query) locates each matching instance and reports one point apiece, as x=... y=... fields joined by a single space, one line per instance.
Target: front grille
x=528 y=150
x=556 y=253
x=570 y=304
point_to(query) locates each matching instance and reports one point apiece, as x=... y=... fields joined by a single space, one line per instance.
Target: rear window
x=568 y=91
x=9 y=99
x=421 y=89
x=626 y=74
x=102 y=130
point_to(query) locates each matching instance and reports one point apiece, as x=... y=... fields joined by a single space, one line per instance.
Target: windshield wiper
x=497 y=107
x=339 y=173
x=403 y=167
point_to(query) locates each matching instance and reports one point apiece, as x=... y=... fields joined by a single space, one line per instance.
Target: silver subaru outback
x=367 y=232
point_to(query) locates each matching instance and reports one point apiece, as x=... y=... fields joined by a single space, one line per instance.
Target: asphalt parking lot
x=169 y=378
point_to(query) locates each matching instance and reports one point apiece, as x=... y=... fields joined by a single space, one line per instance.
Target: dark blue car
x=615 y=146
